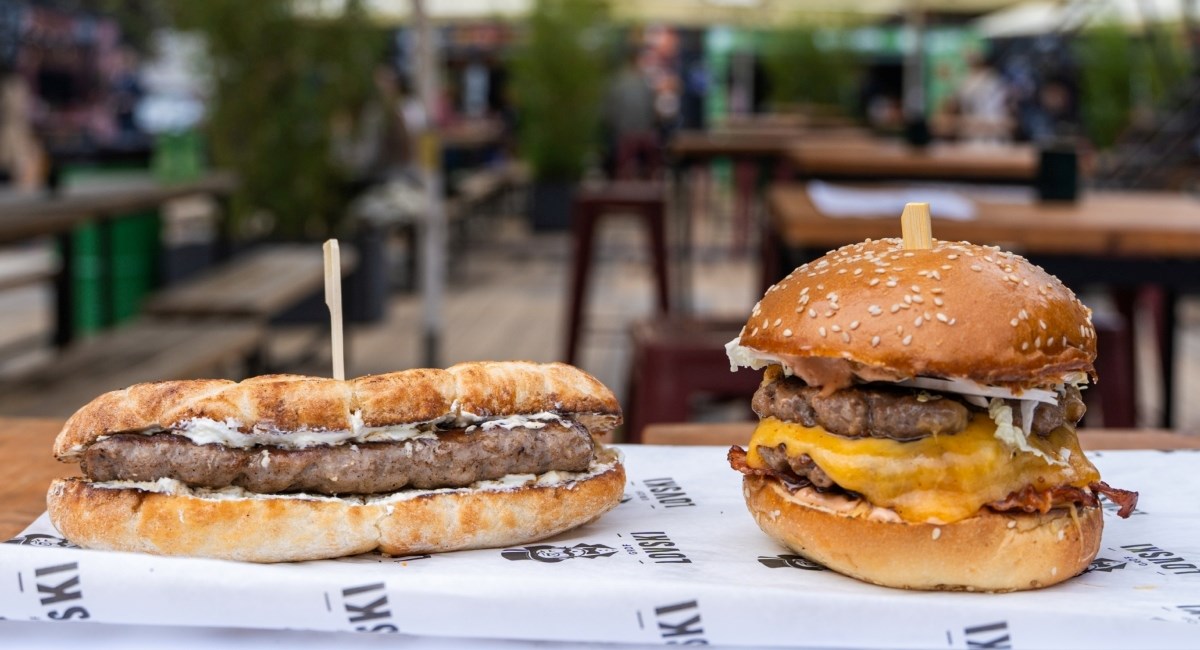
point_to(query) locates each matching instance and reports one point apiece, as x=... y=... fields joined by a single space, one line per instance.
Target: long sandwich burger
x=918 y=416
x=285 y=467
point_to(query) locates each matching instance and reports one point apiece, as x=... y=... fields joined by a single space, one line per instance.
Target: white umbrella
x=1033 y=18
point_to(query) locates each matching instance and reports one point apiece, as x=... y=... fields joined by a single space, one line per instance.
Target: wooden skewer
x=333 y=299
x=916 y=227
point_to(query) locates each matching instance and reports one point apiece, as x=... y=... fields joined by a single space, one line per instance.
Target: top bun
x=956 y=310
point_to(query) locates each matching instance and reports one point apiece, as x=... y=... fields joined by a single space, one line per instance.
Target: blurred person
x=376 y=144
x=630 y=119
x=22 y=161
x=982 y=103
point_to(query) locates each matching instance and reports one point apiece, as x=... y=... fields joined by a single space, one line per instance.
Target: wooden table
x=25 y=445
x=888 y=159
x=58 y=214
x=1118 y=239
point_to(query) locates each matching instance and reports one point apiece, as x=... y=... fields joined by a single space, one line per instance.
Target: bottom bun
x=991 y=551
x=235 y=525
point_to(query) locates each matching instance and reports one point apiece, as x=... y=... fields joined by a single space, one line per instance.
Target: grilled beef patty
x=452 y=459
x=883 y=411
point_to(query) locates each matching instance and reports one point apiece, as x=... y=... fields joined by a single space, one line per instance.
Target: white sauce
x=206 y=431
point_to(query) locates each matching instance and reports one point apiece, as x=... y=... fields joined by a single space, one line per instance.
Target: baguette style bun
x=991 y=551
x=290 y=403
x=225 y=524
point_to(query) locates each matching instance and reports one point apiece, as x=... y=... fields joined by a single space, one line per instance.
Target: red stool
x=676 y=359
x=1115 y=395
x=642 y=199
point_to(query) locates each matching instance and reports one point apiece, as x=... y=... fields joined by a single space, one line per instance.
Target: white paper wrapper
x=679 y=561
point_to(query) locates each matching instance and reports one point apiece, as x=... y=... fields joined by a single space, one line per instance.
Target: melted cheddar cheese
x=937 y=479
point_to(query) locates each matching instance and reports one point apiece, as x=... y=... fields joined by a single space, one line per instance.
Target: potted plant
x=558 y=79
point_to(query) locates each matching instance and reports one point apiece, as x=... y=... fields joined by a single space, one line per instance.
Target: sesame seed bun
x=988 y=552
x=956 y=310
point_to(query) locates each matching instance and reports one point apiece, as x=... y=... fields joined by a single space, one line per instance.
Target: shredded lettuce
x=1010 y=435
x=968 y=387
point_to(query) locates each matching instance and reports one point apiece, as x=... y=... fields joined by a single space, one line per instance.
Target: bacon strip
x=1127 y=499
x=737 y=460
x=1031 y=499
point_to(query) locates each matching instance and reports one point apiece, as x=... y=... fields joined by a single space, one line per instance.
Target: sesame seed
x=1023 y=314
x=1064 y=340
x=858 y=271
x=820 y=287
x=918 y=299
x=952 y=321
x=778 y=321
x=828 y=313
x=1014 y=322
x=841 y=271
x=881 y=270
x=938 y=301
x=908 y=254
x=937 y=532
x=907 y=299
x=787 y=333
x=916 y=289
x=936 y=290
x=1037 y=343
x=935 y=275
x=873 y=282
x=754 y=332
x=812 y=313
x=907 y=339
x=942 y=317
x=821 y=331
x=853 y=325
x=952 y=256
x=1041 y=323
x=874 y=341
x=976 y=267
x=1025 y=345
x=845 y=337
x=899 y=330
x=766 y=323
x=918 y=321
x=804 y=291
x=891 y=283
x=896 y=308
x=836 y=328
x=874 y=310
x=832 y=296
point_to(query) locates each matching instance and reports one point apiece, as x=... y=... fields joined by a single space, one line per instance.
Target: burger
x=917 y=418
x=286 y=467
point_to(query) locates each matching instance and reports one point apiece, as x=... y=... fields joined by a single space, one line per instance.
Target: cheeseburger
x=918 y=415
x=285 y=467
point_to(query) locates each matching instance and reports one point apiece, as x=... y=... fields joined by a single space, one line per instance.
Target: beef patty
x=883 y=411
x=453 y=459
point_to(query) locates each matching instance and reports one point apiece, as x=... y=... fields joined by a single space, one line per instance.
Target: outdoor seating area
x=407 y=301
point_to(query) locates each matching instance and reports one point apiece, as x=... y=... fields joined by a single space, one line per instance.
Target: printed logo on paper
x=988 y=635
x=58 y=589
x=1163 y=560
x=677 y=623
x=553 y=554
x=39 y=539
x=663 y=493
x=656 y=546
x=1105 y=565
x=792 y=561
x=365 y=608
x=375 y=557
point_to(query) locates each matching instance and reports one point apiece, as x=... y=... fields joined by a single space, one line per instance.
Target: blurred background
x=607 y=182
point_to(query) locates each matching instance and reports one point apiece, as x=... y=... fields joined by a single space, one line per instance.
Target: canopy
x=1041 y=17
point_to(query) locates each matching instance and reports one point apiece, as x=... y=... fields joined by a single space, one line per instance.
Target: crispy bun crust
x=272 y=529
x=878 y=289
x=982 y=553
x=286 y=403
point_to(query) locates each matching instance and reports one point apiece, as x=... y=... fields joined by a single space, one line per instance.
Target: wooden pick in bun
x=918 y=418
x=285 y=468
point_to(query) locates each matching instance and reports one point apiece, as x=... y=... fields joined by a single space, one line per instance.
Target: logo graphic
x=991 y=635
x=366 y=608
x=38 y=539
x=793 y=561
x=1106 y=565
x=679 y=623
x=552 y=554
x=1168 y=560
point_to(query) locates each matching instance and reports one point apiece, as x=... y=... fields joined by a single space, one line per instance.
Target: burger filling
x=930 y=457
x=448 y=457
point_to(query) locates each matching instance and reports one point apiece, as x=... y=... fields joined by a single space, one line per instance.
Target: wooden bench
x=145 y=350
x=258 y=285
